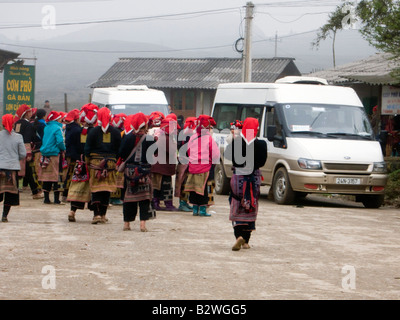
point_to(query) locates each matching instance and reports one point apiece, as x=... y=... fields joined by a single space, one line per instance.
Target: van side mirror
x=271 y=132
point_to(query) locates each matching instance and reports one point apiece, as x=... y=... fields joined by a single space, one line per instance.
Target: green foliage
x=392 y=190
x=334 y=24
x=381 y=26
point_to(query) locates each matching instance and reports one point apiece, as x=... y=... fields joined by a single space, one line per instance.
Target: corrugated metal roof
x=191 y=73
x=375 y=70
x=5 y=57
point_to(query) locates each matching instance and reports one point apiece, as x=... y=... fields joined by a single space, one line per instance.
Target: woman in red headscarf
x=183 y=164
x=248 y=155
x=101 y=150
x=52 y=149
x=138 y=190
x=11 y=152
x=73 y=152
x=25 y=127
x=165 y=164
x=79 y=188
x=203 y=154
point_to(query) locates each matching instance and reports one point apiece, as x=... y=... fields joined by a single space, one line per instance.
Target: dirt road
x=316 y=250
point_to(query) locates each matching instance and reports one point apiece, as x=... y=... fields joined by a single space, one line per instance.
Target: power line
x=297 y=19
x=292 y=4
x=194 y=14
x=148 y=51
x=184 y=15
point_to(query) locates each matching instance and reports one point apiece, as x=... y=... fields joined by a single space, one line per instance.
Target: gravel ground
x=320 y=249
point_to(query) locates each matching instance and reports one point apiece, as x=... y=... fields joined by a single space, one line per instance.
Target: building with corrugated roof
x=367 y=76
x=372 y=78
x=190 y=84
x=5 y=57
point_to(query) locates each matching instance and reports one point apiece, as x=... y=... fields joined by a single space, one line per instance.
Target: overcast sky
x=188 y=26
x=279 y=16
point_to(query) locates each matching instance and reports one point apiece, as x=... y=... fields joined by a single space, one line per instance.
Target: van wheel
x=372 y=202
x=282 y=189
x=222 y=183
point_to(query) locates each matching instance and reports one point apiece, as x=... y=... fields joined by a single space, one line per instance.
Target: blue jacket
x=53 y=139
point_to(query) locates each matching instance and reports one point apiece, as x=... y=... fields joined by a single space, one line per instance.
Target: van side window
x=224 y=114
x=273 y=129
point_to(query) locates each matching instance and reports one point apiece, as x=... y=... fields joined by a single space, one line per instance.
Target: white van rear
x=131 y=99
x=319 y=140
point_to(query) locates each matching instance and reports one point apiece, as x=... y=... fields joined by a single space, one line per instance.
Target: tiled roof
x=375 y=70
x=191 y=73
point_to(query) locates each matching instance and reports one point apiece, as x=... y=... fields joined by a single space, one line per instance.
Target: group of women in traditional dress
x=90 y=156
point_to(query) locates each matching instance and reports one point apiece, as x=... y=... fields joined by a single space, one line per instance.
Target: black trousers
x=129 y=210
x=242 y=231
x=10 y=199
x=30 y=179
x=49 y=185
x=99 y=203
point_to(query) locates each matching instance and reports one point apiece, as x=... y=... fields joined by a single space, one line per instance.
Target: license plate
x=348 y=181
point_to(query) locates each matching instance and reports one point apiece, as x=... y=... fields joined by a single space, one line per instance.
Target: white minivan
x=131 y=99
x=319 y=140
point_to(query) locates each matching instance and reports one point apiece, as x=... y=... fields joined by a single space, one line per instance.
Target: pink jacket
x=203 y=152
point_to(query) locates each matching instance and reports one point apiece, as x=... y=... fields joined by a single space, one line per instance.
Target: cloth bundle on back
x=101 y=148
x=247 y=154
x=138 y=190
x=79 y=188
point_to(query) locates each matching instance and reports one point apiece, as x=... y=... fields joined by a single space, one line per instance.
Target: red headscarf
x=237 y=124
x=7 y=122
x=205 y=122
x=118 y=120
x=34 y=111
x=173 y=123
x=250 y=130
x=53 y=115
x=104 y=118
x=155 y=118
x=23 y=108
x=138 y=121
x=190 y=123
x=72 y=115
x=127 y=123
x=89 y=113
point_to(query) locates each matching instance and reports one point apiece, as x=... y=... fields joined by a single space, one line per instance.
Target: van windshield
x=326 y=120
x=147 y=109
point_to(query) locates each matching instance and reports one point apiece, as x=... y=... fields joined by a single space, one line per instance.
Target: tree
x=334 y=24
x=381 y=26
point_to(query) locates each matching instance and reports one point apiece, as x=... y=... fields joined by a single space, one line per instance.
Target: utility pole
x=247 y=43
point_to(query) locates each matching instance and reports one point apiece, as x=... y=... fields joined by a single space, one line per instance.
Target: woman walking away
x=79 y=189
x=73 y=152
x=203 y=155
x=247 y=154
x=26 y=129
x=101 y=150
x=11 y=152
x=137 y=186
x=165 y=166
x=183 y=164
x=50 y=162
